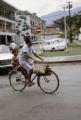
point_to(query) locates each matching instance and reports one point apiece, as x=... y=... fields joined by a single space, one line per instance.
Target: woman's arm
x=36 y=55
x=27 y=55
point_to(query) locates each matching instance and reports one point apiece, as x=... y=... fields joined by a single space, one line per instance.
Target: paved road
x=32 y=104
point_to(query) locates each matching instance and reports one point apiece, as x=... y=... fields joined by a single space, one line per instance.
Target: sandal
x=30 y=84
x=25 y=81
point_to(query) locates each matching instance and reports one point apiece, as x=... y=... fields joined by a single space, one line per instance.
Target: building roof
x=35 y=15
x=7 y=5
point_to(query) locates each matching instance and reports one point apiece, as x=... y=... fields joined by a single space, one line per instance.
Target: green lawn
x=73 y=49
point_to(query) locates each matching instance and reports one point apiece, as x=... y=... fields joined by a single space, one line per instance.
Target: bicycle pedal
x=30 y=84
x=18 y=79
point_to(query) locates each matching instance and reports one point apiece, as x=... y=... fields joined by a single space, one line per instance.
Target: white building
x=26 y=24
x=15 y=23
x=7 y=22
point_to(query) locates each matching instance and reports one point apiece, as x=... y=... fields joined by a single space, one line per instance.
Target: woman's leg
x=29 y=70
x=29 y=75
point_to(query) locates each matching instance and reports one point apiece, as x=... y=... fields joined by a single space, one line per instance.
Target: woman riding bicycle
x=20 y=75
x=26 y=58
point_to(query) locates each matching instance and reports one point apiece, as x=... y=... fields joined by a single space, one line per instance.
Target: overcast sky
x=42 y=7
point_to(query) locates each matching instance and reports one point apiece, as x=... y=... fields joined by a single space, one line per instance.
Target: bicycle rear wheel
x=16 y=80
x=49 y=83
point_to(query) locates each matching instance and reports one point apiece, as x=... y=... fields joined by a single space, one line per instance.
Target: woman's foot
x=30 y=83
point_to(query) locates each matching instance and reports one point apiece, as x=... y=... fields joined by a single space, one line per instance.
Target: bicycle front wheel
x=16 y=79
x=49 y=83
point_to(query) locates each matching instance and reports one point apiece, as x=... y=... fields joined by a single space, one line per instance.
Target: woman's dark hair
x=27 y=39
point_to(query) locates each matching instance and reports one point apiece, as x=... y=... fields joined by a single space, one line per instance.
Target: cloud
x=41 y=7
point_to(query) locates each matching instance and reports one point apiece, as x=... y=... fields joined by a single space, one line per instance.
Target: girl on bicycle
x=15 y=59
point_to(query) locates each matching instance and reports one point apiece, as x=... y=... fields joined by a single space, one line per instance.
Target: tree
x=75 y=25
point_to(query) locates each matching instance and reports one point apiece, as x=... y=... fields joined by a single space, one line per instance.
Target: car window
x=56 y=41
x=47 y=43
x=52 y=42
x=4 y=49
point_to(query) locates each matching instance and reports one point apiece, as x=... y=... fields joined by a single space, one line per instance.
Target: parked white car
x=54 y=45
x=5 y=57
x=63 y=39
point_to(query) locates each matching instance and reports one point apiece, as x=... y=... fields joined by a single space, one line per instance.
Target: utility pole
x=65 y=30
x=69 y=6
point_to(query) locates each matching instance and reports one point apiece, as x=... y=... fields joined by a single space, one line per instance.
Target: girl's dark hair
x=27 y=39
x=14 y=50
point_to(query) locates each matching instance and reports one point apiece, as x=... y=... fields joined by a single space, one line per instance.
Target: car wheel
x=65 y=49
x=53 y=50
x=43 y=50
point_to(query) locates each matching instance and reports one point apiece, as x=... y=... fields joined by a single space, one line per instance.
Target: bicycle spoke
x=16 y=81
x=49 y=83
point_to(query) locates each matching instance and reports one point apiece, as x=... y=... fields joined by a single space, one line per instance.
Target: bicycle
x=47 y=82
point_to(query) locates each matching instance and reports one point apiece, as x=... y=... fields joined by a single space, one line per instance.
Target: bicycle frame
x=43 y=80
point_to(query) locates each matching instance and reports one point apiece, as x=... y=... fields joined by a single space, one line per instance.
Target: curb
x=63 y=59
x=60 y=62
